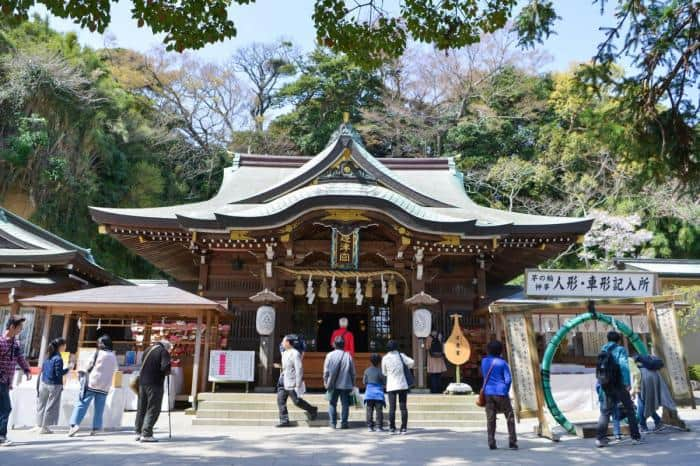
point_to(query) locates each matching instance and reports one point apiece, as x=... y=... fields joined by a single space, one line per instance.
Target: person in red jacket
x=346 y=334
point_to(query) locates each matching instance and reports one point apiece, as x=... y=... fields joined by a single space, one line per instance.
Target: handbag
x=329 y=391
x=481 y=399
x=83 y=376
x=408 y=375
x=355 y=398
x=134 y=382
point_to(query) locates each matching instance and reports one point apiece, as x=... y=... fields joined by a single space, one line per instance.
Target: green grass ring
x=551 y=349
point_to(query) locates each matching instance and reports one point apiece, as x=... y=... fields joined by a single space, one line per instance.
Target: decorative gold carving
x=452 y=240
x=494 y=243
x=102 y=229
x=405 y=240
x=240 y=235
x=345 y=215
x=285 y=238
x=580 y=238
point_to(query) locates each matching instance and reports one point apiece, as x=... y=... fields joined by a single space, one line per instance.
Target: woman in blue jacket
x=497 y=382
x=51 y=386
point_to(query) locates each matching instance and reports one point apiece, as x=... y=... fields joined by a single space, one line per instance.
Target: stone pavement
x=321 y=446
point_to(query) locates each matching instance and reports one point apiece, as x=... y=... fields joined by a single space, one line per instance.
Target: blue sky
x=266 y=20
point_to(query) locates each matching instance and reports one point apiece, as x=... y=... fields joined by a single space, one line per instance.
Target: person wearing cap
x=291 y=383
x=154 y=368
x=10 y=357
x=99 y=381
x=346 y=335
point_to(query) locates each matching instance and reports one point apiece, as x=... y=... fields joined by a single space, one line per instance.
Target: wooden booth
x=342 y=234
x=134 y=316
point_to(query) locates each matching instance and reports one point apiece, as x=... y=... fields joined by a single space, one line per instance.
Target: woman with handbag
x=97 y=383
x=396 y=367
x=494 y=394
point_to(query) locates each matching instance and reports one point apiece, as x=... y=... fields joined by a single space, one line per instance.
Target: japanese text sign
x=589 y=284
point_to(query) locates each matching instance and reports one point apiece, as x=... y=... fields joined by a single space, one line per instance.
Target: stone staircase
x=260 y=409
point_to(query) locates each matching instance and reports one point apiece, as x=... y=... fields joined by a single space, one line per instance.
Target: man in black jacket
x=154 y=368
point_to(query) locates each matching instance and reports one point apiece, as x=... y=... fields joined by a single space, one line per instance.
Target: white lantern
x=265 y=320
x=422 y=320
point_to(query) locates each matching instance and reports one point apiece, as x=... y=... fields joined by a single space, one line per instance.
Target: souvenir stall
x=133 y=316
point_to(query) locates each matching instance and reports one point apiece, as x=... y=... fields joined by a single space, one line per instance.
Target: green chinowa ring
x=554 y=344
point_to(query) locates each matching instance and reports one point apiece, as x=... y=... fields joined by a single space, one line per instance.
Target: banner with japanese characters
x=345 y=250
x=589 y=283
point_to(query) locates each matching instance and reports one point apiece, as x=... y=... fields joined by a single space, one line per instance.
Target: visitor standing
x=374 y=382
x=613 y=374
x=97 y=383
x=154 y=368
x=435 y=348
x=291 y=383
x=394 y=367
x=51 y=387
x=338 y=379
x=10 y=357
x=347 y=336
x=653 y=392
x=497 y=381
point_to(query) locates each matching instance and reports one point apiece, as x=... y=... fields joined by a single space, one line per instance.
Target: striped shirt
x=10 y=356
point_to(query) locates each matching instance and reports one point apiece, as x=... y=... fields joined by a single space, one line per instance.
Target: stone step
x=357 y=414
x=463 y=407
x=356 y=424
x=423 y=398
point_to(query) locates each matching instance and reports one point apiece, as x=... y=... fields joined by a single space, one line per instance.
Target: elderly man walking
x=154 y=368
x=338 y=378
x=10 y=357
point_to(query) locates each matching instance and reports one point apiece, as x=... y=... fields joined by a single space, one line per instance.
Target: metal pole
x=170 y=425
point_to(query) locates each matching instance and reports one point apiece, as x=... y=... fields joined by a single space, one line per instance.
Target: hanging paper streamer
x=334 y=291
x=80 y=323
x=162 y=326
x=99 y=324
x=310 y=295
x=385 y=292
x=358 y=292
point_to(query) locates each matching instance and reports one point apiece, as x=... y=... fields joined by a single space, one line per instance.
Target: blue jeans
x=81 y=407
x=344 y=396
x=642 y=419
x=616 y=421
x=5 y=408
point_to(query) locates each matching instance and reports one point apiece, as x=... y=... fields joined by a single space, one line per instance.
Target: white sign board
x=232 y=366
x=589 y=283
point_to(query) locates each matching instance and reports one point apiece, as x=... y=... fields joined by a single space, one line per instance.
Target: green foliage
x=694 y=372
x=327 y=86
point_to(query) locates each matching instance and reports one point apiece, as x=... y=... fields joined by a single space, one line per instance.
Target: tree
x=264 y=65
x=328 y=85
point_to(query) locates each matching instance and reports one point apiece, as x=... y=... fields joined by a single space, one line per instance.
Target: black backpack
x=436 y=348
x=607 y=371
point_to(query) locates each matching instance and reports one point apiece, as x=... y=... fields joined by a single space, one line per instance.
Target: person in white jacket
x=99 y=382
x=396 y=384
x=291 y=383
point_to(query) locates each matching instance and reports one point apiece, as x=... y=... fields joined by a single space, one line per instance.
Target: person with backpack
x=98 y=382
x=154 y=368
x=436 y=360
x=613 y=376
x=51 y=386
x=497 y=381
x=291 y=382
x=653 y=392
x=396 y=367
x=339 y=379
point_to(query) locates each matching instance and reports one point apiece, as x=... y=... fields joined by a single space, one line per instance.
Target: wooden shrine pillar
x=45 y=336
x=205 y=356
x=66 y=326
x=197 y=355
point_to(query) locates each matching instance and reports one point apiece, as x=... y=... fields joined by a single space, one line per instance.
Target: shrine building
x=342 y=234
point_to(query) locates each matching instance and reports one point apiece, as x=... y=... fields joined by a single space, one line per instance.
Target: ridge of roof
x=296 y=161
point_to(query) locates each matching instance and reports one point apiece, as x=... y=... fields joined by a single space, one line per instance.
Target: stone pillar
x=197 y=356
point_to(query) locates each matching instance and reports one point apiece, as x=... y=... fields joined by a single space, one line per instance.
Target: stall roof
x=125 y=297
x=663 y=267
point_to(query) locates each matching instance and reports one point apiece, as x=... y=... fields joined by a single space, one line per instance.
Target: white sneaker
x=4 y=442
x=148 y=440
x=73 y=430
x=637 y=441
x=45 y=430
